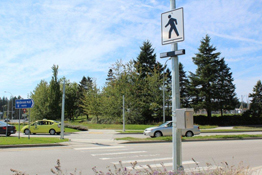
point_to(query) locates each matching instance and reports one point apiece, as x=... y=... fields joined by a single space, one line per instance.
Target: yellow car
x=43 y=126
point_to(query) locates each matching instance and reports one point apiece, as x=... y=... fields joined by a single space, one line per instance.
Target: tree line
x=141 y=82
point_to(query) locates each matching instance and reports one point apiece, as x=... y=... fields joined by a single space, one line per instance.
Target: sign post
x=22 y=104
x=172 y=31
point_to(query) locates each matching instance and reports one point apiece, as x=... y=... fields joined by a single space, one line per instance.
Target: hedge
x=227 y=120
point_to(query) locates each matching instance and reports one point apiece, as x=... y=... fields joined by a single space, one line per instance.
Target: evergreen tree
x=54 y=95
x=225 y=91
x=210 y=85
x=92 y=102
x=256 y=102
x=84 y=86
x=146 y=60
x=183 y=85
x=148 y=70
x=110 y=76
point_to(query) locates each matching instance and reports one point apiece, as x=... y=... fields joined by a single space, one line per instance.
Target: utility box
x=184 y=118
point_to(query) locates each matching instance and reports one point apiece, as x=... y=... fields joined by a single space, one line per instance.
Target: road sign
x=24 y=103
x=172 y=26
x=172 y=53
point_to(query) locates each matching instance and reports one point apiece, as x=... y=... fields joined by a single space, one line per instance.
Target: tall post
x=29 y=124
x=124 y=114
x=63 y=113
x=164 y=100
x=177 y=157
x=19 y=123
x=12 y=114
x=7 y=117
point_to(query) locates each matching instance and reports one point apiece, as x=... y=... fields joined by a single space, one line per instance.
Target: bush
x=78 y=127
x=224 y=168
x=228 y=120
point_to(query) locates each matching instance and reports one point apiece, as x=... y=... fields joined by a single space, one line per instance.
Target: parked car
x=10 y=128
x=166 y=130
x=43 y=126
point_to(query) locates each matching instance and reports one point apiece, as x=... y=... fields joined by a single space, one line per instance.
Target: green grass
x=230 y=130
x=33 y=140
x=169 y=138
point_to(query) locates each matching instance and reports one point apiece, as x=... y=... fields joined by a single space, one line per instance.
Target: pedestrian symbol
x=172 y=26
x=172 y=22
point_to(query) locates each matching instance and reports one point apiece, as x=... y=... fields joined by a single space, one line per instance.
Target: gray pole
x=124 y=114
x=7 y=116
x=164 y=99
x=19 y=124
x=63 y=113
x=177 y=152
x=29 y=124
x=12 y=108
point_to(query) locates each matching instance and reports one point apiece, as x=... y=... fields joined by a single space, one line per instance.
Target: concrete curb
x=32 y=145
x=195 y=140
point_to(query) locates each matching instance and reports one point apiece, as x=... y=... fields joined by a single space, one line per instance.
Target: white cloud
x=86 y=37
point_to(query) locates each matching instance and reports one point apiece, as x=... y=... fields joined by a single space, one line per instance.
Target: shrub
x=224 y=169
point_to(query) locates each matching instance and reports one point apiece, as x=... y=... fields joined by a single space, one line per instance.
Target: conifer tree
x=225 y=91
x=183 y=85
x=211 y=87
x=54 y=95
x=256 y=102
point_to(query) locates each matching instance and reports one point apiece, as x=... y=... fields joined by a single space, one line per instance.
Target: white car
x=166 y=130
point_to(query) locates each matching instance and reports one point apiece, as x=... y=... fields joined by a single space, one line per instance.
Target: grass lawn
x=33 y=140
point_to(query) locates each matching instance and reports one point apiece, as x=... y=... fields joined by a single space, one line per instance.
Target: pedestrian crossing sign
x=172 y=26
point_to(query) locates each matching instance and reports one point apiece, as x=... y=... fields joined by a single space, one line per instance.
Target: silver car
x=166 y=130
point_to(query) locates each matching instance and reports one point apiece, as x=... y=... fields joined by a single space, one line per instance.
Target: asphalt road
x=98 y=148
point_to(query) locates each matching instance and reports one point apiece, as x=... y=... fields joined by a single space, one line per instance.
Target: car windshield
x=3 y=123
x=164 y=124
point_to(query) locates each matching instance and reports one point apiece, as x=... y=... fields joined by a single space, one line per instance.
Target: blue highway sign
x=24 y=103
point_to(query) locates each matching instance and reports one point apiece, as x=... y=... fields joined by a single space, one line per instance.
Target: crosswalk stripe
x=117 y=153
x=144 y=160
x=104 y=147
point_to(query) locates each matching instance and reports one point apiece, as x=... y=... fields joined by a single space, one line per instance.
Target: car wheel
x=52 y=132
x=27 y=132
x=8 y=134
x=189 y=134
x=58 y=133
x=158 y=134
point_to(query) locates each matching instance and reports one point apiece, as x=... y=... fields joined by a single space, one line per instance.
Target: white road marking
x=104 y=147
x=134 y=156
x=144 y=160
x=118 y=153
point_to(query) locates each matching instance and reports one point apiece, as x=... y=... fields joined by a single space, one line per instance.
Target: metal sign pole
x=124 y=114
x=63 y=113
x=29 y=124
x=177 y=158
x=19 y=124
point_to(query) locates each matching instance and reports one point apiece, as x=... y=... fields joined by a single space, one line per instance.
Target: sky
x=86 y=37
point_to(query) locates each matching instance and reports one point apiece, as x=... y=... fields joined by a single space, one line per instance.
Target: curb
x=32 y=145
x=195 y=140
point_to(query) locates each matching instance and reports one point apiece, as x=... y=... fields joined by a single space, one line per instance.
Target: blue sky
x=85 y=37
